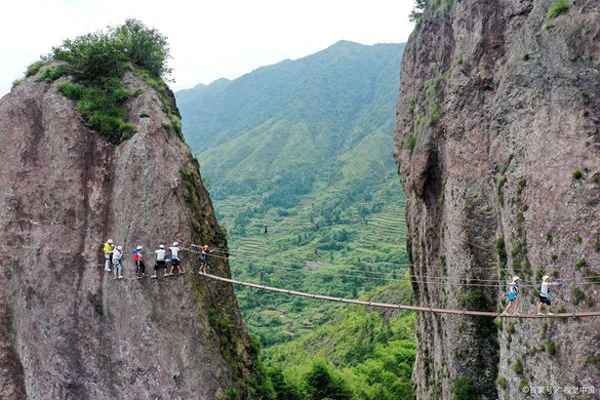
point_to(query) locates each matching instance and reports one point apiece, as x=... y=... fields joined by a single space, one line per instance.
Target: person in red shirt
x=138 y=260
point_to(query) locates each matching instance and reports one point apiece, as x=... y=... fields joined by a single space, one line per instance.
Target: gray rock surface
x=499 y=113
x=68 y=330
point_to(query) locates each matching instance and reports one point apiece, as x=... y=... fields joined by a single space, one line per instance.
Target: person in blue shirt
x=512 y=296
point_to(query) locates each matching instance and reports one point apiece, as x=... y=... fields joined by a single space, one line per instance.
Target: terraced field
x=302 y=251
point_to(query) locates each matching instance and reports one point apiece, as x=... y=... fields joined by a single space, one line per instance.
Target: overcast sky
x=209 y=39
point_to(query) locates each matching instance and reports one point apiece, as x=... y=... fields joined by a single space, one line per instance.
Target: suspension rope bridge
x=428 y=279
x=429 y=309
x=398 y=306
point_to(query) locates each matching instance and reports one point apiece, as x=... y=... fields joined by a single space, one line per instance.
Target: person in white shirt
x=159 y=260
x=117 y=260
x=175 y=260
x=545 y=294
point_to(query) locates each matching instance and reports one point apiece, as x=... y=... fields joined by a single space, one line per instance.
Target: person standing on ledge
x=117 y=261
x=159 y=260
x=175 y=260
x=108 y=249
x=204 y=259
x=138 y=260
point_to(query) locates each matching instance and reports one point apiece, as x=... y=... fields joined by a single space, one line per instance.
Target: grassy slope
x=304 y=147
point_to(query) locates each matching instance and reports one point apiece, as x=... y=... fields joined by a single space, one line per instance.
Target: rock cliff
x=69 y=331
x=498 y=145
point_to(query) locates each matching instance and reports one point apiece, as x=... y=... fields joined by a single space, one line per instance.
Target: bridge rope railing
x=424 y=278
x=398 y=306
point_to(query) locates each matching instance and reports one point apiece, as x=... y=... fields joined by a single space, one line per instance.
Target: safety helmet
x=545 y=277
x=119 y=247
x=205 y=247
x=516 y=278
x=140 y=247
x=162 y=246
x=109 y=241
x=175 y=244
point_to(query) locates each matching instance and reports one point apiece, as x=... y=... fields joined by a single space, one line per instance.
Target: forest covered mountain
x=303 y=150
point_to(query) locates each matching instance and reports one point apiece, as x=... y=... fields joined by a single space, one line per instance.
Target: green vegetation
x=521 y=186
x=524 y=385
x=500 y=182
x=511 y=328
x=52 y=73
x=557 y=8
x=593 y=360
x=502 y=382
x=34 y=68
x=369 y=356
x=550 y=347
x=322 y=383
x=102 y=107
x=577 y=174
x=580 y=264
x=434 y=7
x=577 y=295
x=518 y=367
x=96 y=64
x=463 y=389
x=98 y=56
x=473 y=298
x=432 y=93
x=411 y=142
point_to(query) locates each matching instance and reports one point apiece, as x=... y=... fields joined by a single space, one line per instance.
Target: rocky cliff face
x=498 y=144
x=68 y=330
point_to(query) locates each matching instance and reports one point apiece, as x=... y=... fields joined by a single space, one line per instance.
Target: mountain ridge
x=282 y=83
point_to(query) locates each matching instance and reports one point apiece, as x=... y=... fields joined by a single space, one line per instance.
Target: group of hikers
x=513 y=295
x=167 y=260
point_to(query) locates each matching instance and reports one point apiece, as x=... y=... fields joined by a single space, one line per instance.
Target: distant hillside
x=290 y=126
x=304 y=148
x=333 y=87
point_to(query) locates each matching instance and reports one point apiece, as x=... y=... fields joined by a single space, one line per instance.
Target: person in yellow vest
x=108 y=250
